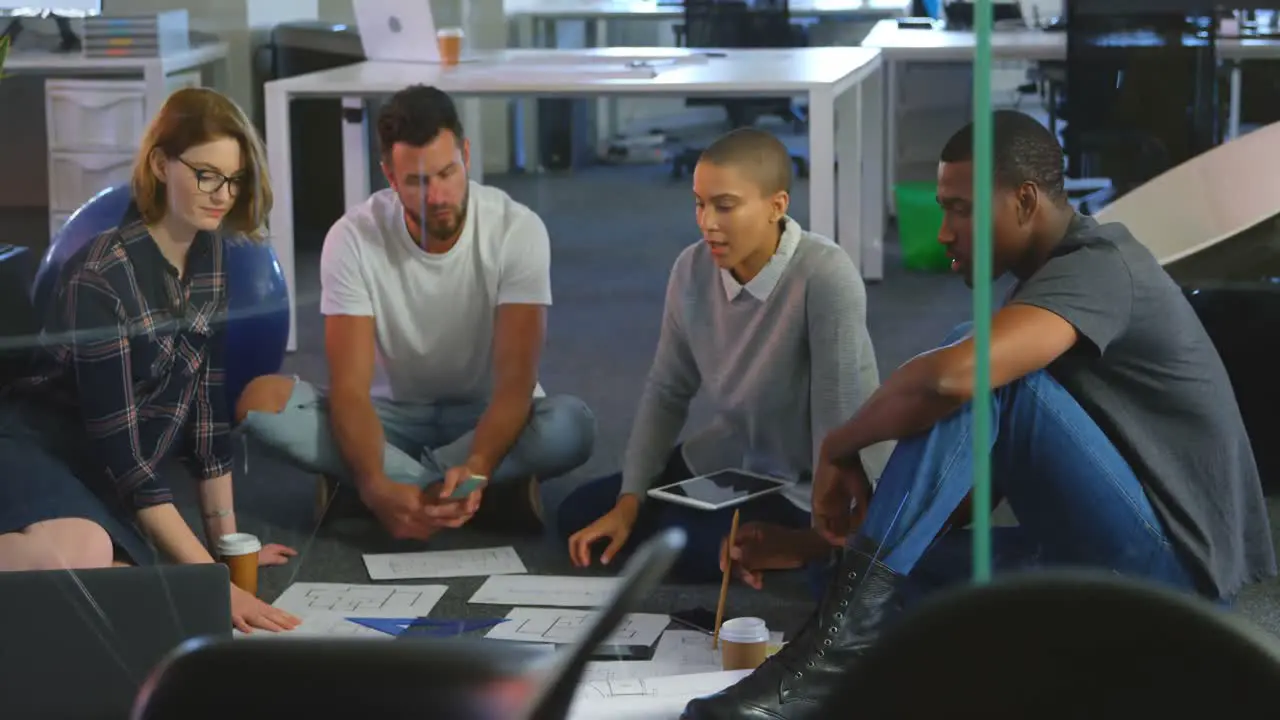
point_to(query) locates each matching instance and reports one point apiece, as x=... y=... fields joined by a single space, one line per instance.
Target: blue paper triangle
x=390 y=626
x=431 y=626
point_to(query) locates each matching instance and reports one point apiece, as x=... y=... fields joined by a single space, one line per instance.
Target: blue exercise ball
x=103 y=212
x=257 y=322
x=257 y=329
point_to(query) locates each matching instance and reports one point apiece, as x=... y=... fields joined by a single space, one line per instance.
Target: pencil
x=724 y=584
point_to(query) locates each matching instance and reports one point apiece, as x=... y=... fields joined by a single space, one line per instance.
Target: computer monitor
x=13 y=11
x=61 y=8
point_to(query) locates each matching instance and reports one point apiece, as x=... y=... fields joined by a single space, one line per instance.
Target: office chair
x=1062 y=644
x=1141 y=93
x=408 y=678
x=723 y=24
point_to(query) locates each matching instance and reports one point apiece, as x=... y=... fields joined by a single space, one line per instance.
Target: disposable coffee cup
x=240 y=552
x=744 y=643
x=450 y=42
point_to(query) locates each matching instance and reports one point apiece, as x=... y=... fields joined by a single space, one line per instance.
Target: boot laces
x=806 y=655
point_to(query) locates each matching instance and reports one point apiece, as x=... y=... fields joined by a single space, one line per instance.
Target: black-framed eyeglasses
x=209 y=181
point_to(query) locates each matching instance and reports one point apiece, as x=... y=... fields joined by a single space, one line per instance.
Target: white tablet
x=718 y=490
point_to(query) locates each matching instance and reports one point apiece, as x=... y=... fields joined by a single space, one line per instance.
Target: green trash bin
x=919 y=219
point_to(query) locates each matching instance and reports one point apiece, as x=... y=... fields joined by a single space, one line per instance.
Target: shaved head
x=758 y=154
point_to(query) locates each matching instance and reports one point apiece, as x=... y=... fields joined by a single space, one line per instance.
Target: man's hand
x=759 y=547
x=454 y=478
x=841 y=493
x=412 y=513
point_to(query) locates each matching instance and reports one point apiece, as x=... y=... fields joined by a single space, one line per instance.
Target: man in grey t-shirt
x=1117 y=440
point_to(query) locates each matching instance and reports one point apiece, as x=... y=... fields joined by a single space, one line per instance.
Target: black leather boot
x=797 y=681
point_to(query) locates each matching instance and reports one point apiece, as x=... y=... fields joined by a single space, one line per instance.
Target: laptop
x=77 y=645
x=410 y=678
x=397 y=30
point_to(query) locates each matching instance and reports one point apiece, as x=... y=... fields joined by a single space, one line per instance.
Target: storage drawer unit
x=76 y=177
x=94 y=130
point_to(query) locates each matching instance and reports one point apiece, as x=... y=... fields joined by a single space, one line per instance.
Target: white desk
x=929 y=75
x=554 y=10
x=96 y=110
x=532 y=24
x=151 y=70
x=836 y=81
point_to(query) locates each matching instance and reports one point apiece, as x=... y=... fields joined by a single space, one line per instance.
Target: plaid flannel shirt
x=139 y=351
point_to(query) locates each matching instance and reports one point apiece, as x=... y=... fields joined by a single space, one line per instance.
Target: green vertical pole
x=982 y=199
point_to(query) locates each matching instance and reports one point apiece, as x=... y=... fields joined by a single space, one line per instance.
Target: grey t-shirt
x=1146 y=371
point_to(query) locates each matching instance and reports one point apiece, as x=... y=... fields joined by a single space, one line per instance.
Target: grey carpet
x=615 y=233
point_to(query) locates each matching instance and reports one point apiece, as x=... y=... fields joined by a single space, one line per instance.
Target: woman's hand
x=249 y=613
x=275 y=554
x=615 y=525
x=759 y=547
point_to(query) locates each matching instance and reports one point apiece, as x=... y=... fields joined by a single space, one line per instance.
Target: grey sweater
x=784 y=359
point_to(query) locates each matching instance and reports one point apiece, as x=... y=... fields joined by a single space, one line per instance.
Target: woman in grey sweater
x=770 y=321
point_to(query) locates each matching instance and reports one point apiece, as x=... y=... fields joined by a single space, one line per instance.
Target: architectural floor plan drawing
x=391 y=601
x=546 y=591
x=444 y=564
x=331 y=624
x=674 y=686
x=547 y=625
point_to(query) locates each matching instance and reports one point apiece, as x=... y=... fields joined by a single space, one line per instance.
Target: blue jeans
x=426 y=439
x=1077 y=501
x=580 y=505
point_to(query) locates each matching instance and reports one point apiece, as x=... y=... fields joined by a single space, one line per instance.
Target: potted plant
x=4 y=53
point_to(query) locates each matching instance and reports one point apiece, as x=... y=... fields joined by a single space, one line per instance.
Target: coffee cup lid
x=450 y=32
x=744 y=630
x=238 y=544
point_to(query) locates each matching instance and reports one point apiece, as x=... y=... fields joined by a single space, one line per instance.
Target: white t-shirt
x=435 y=312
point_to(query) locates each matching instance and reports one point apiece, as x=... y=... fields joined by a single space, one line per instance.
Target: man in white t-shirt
x=442 y=284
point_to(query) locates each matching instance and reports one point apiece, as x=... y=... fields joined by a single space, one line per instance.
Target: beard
x=438 y=222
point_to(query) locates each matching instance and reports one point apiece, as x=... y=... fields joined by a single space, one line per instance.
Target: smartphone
x=466 y=487
x=700 y=619
x=622 y=652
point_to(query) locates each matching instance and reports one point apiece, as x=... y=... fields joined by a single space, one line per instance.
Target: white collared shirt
x=767 y=279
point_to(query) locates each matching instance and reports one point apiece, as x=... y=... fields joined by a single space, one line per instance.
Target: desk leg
x=280 y=223
x=606 y=107
x=355 y=153
x=890 y=118
x=543 y=35
x=1233 y=103
x=849 y=163
x=870 y=182
x=470 y=111
x=154 y=80
x=822 y=164
x=218 y=75
x=523 y=108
